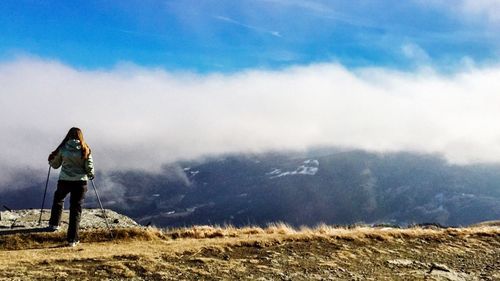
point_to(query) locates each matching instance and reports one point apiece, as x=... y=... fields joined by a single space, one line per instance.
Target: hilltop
x=276 y=252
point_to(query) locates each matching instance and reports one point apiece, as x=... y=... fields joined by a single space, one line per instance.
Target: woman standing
x=74 y=157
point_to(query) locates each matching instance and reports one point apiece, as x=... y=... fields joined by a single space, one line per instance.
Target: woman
x=73 y=154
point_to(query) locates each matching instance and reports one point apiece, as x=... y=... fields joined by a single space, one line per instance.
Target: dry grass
x=275 y=230
x=326 y=231
x=47 y=240
x=199 y=252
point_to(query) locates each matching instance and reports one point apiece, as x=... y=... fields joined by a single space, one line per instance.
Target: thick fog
x=141 y=118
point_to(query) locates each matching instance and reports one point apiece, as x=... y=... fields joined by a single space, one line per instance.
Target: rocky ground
x=91 y=219
x=323 y=258
x=277 y=252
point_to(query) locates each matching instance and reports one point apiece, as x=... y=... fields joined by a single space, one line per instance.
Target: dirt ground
x=276 y=254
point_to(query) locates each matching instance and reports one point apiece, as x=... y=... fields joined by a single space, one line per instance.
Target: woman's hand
x=52 y=155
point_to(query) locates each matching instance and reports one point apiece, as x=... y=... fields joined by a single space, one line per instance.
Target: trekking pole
x=103 y=211
x=44 y=193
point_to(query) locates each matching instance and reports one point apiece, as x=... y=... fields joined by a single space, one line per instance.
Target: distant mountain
x=319 y=186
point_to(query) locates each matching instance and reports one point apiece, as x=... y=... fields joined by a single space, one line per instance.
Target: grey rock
x=91 y=219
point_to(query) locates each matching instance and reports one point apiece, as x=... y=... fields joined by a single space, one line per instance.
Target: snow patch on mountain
x=309 y=167
x=191 y=173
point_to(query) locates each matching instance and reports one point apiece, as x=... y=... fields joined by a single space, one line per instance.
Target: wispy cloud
x=255 y=28
x=482 y=10
x=138 y=33
x=415 y=53
x=313 y=6
x=488 y=8
x=323 y=10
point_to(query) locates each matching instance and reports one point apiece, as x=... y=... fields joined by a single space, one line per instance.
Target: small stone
x=438 y=266
x=400 y=262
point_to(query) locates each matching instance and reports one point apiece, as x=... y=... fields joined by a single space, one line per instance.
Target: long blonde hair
x=76 y=133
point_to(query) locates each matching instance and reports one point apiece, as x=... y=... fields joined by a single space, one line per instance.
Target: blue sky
x=228 y=36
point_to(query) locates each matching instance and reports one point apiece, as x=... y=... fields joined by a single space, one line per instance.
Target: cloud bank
x=137 y=118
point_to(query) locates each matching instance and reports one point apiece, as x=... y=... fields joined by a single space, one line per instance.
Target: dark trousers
x=77 y=191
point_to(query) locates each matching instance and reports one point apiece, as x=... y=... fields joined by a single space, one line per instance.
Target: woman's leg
x=75 y=209
x=58 y=203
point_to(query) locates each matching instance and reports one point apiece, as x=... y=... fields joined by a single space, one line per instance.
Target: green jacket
x=74 y=167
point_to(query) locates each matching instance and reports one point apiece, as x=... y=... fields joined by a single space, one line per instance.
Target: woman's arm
x=55 y=159
x=89 y=167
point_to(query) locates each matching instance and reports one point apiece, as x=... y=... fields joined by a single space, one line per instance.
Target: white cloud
x=481 y=8
x=136 y=118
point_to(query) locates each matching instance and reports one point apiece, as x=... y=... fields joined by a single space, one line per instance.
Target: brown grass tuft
x=280 y=228
x=197 y=232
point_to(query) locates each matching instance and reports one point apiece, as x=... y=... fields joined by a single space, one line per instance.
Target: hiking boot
x=73 y=243
x=53 y=227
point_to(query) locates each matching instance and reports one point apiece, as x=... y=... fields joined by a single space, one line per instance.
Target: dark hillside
x=320 y=186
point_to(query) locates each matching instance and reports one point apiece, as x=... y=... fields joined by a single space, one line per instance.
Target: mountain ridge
x=300 y=188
